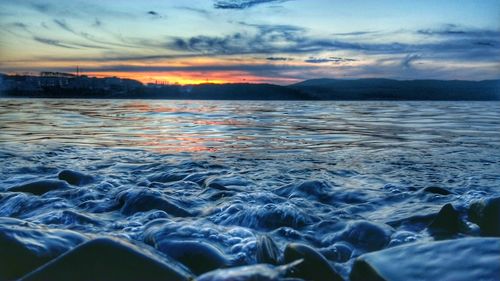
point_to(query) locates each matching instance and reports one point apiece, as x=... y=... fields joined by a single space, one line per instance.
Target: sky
x=254 y=41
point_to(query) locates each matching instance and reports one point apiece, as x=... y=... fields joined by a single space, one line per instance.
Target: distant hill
x=237 y=91
x=387 y=89
x=62 y=85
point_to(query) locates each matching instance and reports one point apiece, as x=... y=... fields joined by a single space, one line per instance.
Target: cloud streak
x=242 y=4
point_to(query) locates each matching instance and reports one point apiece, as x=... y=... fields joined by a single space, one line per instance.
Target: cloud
x=40 y=7
x=62 y=24
x=52 y=42
x=452 y=30
x=329 y=59
x=242 y=4
x=278 y=59
x=97 y=23
x=288 y=39
x=409 y=59
x=199 y=11
x=355 y=33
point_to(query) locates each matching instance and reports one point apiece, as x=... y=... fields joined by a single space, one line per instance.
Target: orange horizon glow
x=190 y=78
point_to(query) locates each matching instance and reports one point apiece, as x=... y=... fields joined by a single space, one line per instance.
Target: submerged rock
x=437 y=190
x=338 y=252
x=486 y=214
x=314 y=265
x=199 y=257
x=40 y=187
x=458 y=260
x=267 y=251
x=268 y=216
x=368 y=235
x=106 y=259
x=145 y=200
x=24 y=247
x=75 y=178
x=258 y=272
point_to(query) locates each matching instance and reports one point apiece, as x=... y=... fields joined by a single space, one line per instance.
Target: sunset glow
x=202 y=41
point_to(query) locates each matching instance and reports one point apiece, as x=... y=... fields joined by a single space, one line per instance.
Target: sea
x=225 y=173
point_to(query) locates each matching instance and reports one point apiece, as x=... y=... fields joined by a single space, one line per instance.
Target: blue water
x=230 y=171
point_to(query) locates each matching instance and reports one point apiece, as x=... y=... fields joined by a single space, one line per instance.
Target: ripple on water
x=341 y=178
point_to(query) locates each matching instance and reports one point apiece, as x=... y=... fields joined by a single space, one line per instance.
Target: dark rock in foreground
x=23 y=247
x=106 y=259
x=40 y=187
x=257 y=272
x=458 y=260
x=74 y=178
x=199 y=257
x=314 y=265
x=486 y=214
x=447 y=222
x=267 y=251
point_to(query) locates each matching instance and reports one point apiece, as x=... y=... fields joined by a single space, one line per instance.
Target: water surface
x=298 y=171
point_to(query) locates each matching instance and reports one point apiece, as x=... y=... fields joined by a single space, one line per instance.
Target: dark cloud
x=287 y=39
x=199 y=11
x=62 y=24
x=242 y=4
x=153 y=13
x=329 y=59
x=409 y=59
x=66 y=45
x=356 y=33
x=279 y=58
x=97 y=23
x=42 y=8
x=452 y=30
x=52 y=42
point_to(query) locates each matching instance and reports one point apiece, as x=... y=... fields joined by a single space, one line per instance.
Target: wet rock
x=368 y=235
x=258 y=272
x=199 y=257
x=230 y=182
x=167 y=177
x=144 y=200
x=446 y=222
x=458 y=260
x=314 y=190
x=268 y=216
x=486 y=214
x=106 y=259
x=24 y=247
x=437 y=190
x=314 y=265
x=267 y=251
x=75 y=178
x=338 y=252
x=40 y=187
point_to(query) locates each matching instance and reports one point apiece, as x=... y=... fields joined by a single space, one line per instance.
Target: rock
x=258 y=272
x=314 y=265
x=368 y=235
x=486 y=214
x=338 y=252
x=199 y=257
x=267 y=251
x=446 y=222
x=75 y=178
x=24 y=247
x=106 y=259
x=437 y=190
x=458 y=260
x=145 y=200
x=40 y=187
